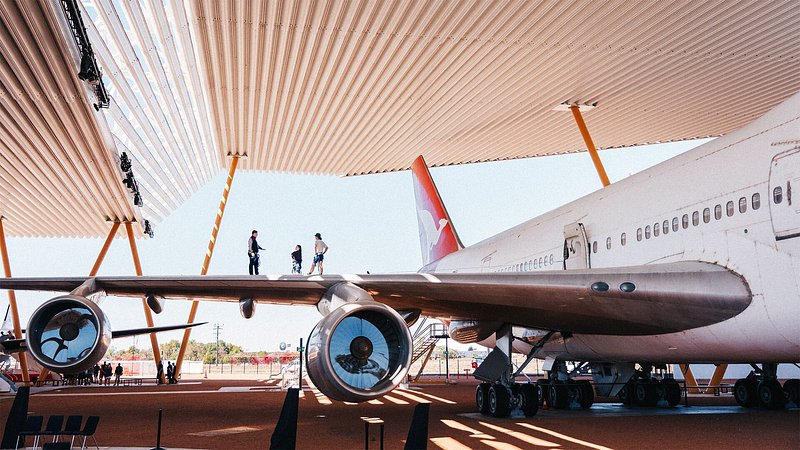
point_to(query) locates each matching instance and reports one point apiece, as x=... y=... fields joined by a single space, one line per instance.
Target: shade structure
x=349 y=87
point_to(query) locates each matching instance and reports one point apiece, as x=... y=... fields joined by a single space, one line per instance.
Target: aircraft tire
x=744 y=391
x=645 y=393
x=672 y=392
x=499 y=401
x=587 y=394
x=625 y=394
x=530 y=399
x=770 y=395
x=559 y=395
x=544 y=394
x=482 y=398
x=792 y=390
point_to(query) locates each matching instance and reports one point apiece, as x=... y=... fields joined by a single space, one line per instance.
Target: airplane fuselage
x=727 y=202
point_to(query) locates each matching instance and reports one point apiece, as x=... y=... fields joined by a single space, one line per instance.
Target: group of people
x=99 y=375
x=170 y=376
x=320 y=248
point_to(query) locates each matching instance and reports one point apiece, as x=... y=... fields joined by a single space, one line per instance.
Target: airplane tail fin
x=437 y=236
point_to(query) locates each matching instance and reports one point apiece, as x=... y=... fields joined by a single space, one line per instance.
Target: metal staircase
x=425 y=339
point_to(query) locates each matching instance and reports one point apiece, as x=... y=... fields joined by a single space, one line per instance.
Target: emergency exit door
x=576 y=247
x=784 y=192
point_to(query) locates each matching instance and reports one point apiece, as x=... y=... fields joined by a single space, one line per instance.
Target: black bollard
x=16 y=418
x=158 y=433
x=285 y=435
x=417 y=438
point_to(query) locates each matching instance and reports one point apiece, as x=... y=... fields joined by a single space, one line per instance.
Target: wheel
x=544 y=394
x=770 y=395
x=672 y=391
x=586 y=394
x=625 y=394
x=482 y=398
x=645 y=393
x=792 y=390
x=744 y=391
x=558 y=395
x=499 y=401
x=530 y=399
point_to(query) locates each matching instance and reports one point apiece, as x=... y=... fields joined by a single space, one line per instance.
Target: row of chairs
x=72 y=429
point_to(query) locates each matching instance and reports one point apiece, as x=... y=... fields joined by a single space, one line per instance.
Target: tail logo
x=430 y=232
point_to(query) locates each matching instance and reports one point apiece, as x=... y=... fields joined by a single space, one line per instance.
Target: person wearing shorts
x=319 y=253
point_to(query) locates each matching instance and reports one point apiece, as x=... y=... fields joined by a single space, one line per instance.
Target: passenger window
x=647 y=232
x=685 y=221
x=743 y=205
x=729 y=208
x=718 y=212
x=695 y=218
x=545 y=261
x=608 y=243
x=756 y=201
x=665 y=226
x=639 y=234
x=594 y=247
x=706 y=215
x=675 y=224
x=535 y=265
x=777 y=195
x=623 y=239
x=540 y=263
x=551 y=259
x=656 y=229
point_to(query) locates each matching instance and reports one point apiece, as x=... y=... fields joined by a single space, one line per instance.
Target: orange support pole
x=719 y=374
x=598 y=165
x=691 y=383
x=147 y=315
x=207 y=260
x=12 y=301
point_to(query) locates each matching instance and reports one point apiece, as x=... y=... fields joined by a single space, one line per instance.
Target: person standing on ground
x=96 y=373
x=170 y=372
x=320 y=247
x=107 y=373
x=252 y=252
x=160 y=372
x=117 y=374
x=297 y=260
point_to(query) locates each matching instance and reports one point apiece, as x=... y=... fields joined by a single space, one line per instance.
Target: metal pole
x=446 y=361
x=587 y=138
x=148 y=316
x=300 y=383
x=12 y=302
x=206 y=261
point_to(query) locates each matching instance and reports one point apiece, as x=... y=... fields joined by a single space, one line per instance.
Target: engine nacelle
x=471 y=331
x=68 y=334
x=360 y=351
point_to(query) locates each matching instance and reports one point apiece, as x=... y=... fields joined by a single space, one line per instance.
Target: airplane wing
x=651 y=299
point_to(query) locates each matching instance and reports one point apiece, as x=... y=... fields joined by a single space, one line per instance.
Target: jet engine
x=68 y=334
x=359 y=351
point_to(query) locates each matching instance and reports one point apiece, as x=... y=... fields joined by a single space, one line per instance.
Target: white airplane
x=695 y=260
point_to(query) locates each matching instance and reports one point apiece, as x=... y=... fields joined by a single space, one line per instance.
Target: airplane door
x=576 y=247
x=784 y=193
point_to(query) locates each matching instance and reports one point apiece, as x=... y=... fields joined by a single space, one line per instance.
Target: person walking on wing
x=252 y=252
x=297 y=260
x=319 y=253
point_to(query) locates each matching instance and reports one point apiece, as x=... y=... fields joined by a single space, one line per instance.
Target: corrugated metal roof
x=350 y=87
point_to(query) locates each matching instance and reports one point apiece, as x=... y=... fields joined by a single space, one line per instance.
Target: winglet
x=437 y=236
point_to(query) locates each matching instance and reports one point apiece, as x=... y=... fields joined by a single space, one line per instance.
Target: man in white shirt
x=319 y=253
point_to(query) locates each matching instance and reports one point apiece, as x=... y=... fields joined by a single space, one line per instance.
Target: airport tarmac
x=224 y=414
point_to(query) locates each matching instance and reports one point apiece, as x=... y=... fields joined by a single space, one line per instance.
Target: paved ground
x=217 y=414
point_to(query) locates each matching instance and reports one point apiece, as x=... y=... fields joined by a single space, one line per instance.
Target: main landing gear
x=761 y=388
x=498 y=400
x=644 y=389
x=561 y=391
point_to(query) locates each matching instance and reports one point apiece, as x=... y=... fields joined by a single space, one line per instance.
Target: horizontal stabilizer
x=148 y=330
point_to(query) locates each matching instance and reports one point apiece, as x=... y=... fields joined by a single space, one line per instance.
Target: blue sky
x=369 y=222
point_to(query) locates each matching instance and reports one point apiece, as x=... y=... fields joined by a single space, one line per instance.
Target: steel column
x=719 y=374
x=207 y=260
x=12 y=301
x=587 y=138
x=147 y=314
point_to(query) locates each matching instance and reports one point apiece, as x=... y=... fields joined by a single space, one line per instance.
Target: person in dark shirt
x=297 y=260
x=252 y=252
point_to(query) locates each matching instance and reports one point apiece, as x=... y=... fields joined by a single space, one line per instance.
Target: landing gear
x=645 y=390
x=570 y=394
x=761 y=388
x=497 y=400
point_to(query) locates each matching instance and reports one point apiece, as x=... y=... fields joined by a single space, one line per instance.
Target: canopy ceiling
x=349 y=87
